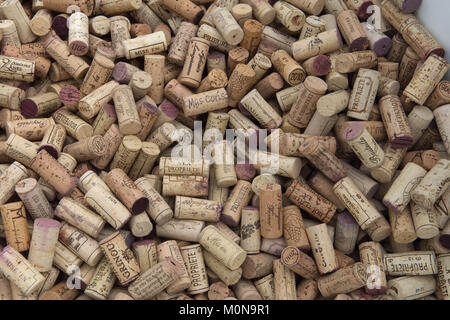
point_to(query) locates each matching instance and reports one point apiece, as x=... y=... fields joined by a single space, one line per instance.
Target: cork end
x=229 y=220
x=382 y=46
x=401 y=142
x=168 y=109
x=59 y=25
x=445 y=240
x=120 y=72
x=69 y=95
x=110 y=110
x=198 y=16
x=143 y=243
x=346 y=218
x=50 y=149
x=46 y=222
x=363 y=12
x=353 y=130
x=410 y=6
x=438 y=51
x=322 y=65
x=243 y=110
x=29 y=108
x=151 y=108
x=78 y=48
x=140 y=205
x=359 y=44
x=245 y=171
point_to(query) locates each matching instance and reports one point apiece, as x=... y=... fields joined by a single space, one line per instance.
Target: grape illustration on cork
x=223 y=150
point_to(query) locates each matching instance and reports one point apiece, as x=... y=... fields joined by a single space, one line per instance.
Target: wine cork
x=34 y=199
x=197 y=209
x=443 y=281
x=322 y=248
x=391 y=162
x=227 y=25
x=290 y=70
x=225 y=172
x=90 y=179
x=195 y=265
x=74 y=125
x=299 y=262
x=258 y=265
x=215 y=60
x=9 y=178
x=169 y=250
x=262 y=11
x=179 y=47
x=260 y=64
x=235 y=56
x=98 y=74
x=106 y=117
x=11 y=97
x=123 y=72
x=31 y=129
x=411 y=263
x=270 y=211
x=198 y=48
x=146 y=255
x=17 y=69
x=183 y=230
x=287 y=97
x=364 y=145
x=70 y=96
x=78 y=39
x=250 y=230
x=441 y=115
x=186 y=9
x=57 y=73
x=364 y=183
x=15 y=224
x=140 y=29
x=389 y=69
x=402 y=226
x=20 y=149
x=120 y=31
x=344 y=280
x=239 y=197
x=145 y=160
x=79 y=216
x=99 y=25
x=396 y=123
x=255 y=104
x=121 y=258
x=215 y=192
x=43 y=243
x=419 y=119
x=163 y=136
x=219 y=291
x=127 y=115
x=379 y=230
x=425 y=222
x=356 y=203
x=353 y=61
x=41 y=23
x=317 y=66
x=398 y=48
x=407 y=67
x=333 y=103
x=313 y=7
x=148 y=115
x=87 y=149
x=246 y=290
x=102 y=281
x=347 y=230
x=352 y=31
x=140 y=83
x=371 y=255
x=239 y=83
x=152 y=43
x=424 y=158
x=313 y=26
x=215 y=79
x=284 y=282
x=378 y=41
x=363 y=94
x=435 y=183
x=189 y=186
x=324 y=187
x=9 y=33
x=205 y=102
x=303 y=109
x=307 y=289
x=420 y=40
x=252 y=35
x=241 y=13
x=113 y=140
x=13 y=10
x=270 y=85
x=289 y=16
x=439 y=96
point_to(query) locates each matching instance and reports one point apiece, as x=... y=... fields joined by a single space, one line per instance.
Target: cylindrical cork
x=239 y=197
x=145 y=252
x=352 y=31
x=289 y=16
x=13 y=10
x=155 y=280
x=289 y=69
x=70 y=96
x=195 y=265
x=399 y=194
x=107 y=206
x=303 y=109
x=215 y=79
x=407 y=67
x=90 y=179
x=299 y=262
x=183 y=230
x=364 y=183
x=363 y=94
x=186 y=9
x=419 y=120
x=78 y=37
x=312 y=27
x=246 y=290
x=322 y=248
x=442 y=115
x=333 y=103
x=215 y=60
x=227 y=25
x=87 y=149
x=324 y=187
x=120 y=31
x=398 y=48
x=102 y=281
x=74 y=125
x=322 y=43
x=346 y=233
x=294 y=229
x=98 y=74
x=356 y=203
x=402 y=226
x=197 y=209
x=426 y=79
x=120 y=257
x=180 y=44
x=425 y=222
x=364 y=145
x=15 y=225
x=424 y=158
x=154 y=66
x=270 y=205
x=192 y=72
x=181 y=166
x=307 y=289
x=316 y=205
x=389 y=69
x=31 y=129
x=252 y=36
x=239 y=82
x=235 y=56
x=411 y=263
x=250 y=230
x=113 y=140
x=205 y=102
x=99 y=25
x=169 y=250
x=81 y=244
x=19 y=149
x=443 y=265
x=391 y=162
x=53 y=172
x=225 y=172
x=258 y=265
x=411 y=287
x=262 y=11
x=395 y=121
x=133 y=198
x=19 y=271
x=270 y=85
x=158 y=208
x=440 y=95
x=127 y=115
x=344 y=280
x=317 y=66
x=11 y=97
x=284 y=282
x=104 y=120
x=261 y=110
x=79 y=216
x=371 y=254
x=9 y=178
x=353 y=61
x=144 y=161
x=34 y=199
x=190 y=186
x=140 y=83
x=43 y=243
x=378 y=41
x=433 y=185
x=241 y=13
x=126 y=153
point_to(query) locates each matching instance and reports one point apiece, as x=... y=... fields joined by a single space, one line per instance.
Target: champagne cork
x=79 y=216
x=81 y=244
x=198 y=48
x=169 y=250
x=432 y=186
x=307 y=289
x=411 y=263
x=90 y=105
x=197 y=209
x=303 y=109
x=322 y=248
x=262 y=11
x=396 y=123
x=290 y=70
x=232 y=256
x=313 y=7
x=195 y=265
x=356 y=203
x=364 y=145
x=34 y=199
x=402 y=226
x=43 y=243
x=371 y=255
x=252 y=35
x=322 y=159
x=13 y=10
x=425 y=222
x=17 y=69
x=284 y=282
x=53 y=172
x=426 y=79
x=440 y=95
x=189 y=186
x=31 y=129
x=74 y=125
x=443 y=280
x=102 y=281
x=353 y=61
x=313 y=26
x=11 y=97
x=239 y=197
x=347 y=230
x=289 y=16
x=120 y=257
x=324 y=187
x=353 y=32
x=78 y=39
x=241 y=13
x=411 y=287
x=299 y=262
x=398 y=195
x=344 y=280
x=127 y=115
x=9 y=178
x=15 y=224
x=19 y=271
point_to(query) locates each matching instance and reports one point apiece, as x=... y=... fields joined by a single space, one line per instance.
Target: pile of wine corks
x=121 y=179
